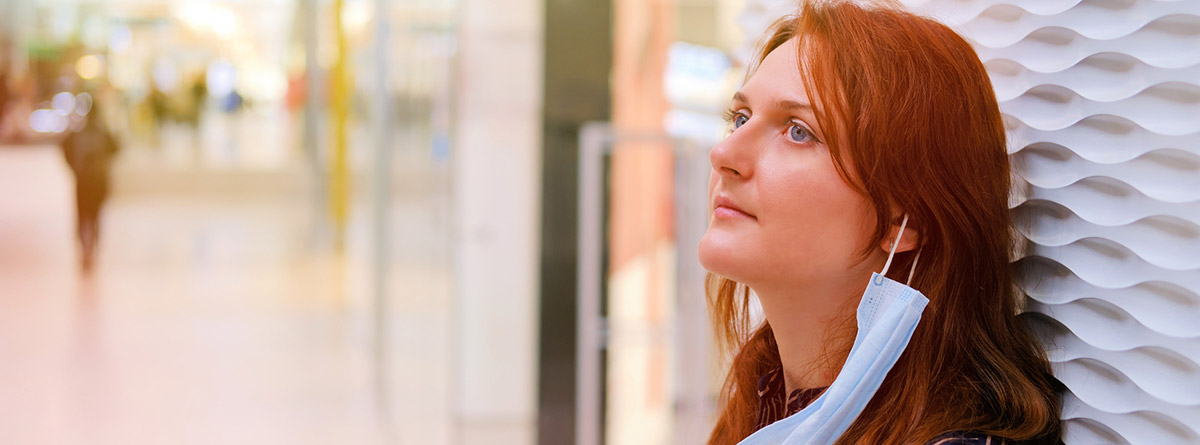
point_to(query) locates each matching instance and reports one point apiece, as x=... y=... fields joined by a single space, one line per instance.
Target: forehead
x=778 y=76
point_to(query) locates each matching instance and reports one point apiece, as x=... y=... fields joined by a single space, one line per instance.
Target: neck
x=814 y=326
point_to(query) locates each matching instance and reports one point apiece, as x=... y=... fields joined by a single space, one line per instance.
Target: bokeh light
x=63 y=103
x=89 y=67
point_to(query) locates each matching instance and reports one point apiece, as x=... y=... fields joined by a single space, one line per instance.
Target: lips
x=723 y=206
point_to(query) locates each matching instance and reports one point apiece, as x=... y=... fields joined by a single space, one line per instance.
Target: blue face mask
x=887 y=316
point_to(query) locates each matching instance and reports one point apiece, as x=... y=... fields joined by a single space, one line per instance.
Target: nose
x=732 y=158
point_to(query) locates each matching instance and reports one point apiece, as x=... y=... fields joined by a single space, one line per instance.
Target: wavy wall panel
x=1102 y=103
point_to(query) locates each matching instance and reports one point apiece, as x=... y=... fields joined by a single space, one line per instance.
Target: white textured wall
x=497 y=180
x=1102 y=100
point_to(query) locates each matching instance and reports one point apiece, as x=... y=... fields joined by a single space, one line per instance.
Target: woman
x=853 y=121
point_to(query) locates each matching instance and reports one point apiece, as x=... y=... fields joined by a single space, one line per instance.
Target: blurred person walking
x=89 y=152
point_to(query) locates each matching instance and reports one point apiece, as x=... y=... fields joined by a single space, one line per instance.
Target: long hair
x=912 y=123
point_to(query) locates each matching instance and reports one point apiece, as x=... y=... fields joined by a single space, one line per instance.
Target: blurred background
x=474 y=221
x=357 y=221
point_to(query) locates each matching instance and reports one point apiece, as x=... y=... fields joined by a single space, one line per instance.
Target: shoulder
x=969 y=438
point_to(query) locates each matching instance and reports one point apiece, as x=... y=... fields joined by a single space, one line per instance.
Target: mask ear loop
x=914 y=269
x=892 y=252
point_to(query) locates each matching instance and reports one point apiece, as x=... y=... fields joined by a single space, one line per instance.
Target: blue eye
x=739 y=120
x=799 y=134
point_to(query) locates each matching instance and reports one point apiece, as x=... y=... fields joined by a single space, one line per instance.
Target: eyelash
x=730 y=115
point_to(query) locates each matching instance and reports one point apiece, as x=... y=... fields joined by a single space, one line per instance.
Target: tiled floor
x=213 y=319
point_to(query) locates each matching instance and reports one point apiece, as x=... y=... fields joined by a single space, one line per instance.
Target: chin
x=721 y=256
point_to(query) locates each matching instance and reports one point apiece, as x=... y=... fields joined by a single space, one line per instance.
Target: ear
x=909 y=241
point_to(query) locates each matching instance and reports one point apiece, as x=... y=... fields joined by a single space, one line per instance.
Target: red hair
x=912 y=123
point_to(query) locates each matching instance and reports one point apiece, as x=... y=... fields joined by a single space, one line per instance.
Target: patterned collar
x=772 y=406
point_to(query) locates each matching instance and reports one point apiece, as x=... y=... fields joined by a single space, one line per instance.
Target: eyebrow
x=785 y=104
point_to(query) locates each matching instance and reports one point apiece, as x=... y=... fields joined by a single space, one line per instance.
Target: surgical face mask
x=887 y=316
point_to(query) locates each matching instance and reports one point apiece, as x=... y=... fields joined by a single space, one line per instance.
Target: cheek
x=813 y=225
x=816 y=220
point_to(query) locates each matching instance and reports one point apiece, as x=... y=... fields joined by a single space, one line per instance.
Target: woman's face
x=780 y=215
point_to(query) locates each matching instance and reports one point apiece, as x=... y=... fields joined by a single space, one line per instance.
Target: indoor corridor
x=215 y=318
